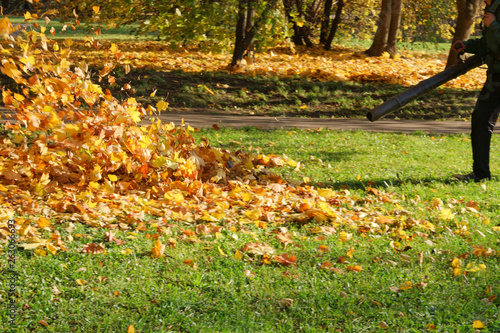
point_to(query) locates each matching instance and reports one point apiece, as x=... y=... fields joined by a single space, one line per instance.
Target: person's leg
x=484 y=117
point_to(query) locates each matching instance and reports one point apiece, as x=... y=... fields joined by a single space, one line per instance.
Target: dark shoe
x=468 y=177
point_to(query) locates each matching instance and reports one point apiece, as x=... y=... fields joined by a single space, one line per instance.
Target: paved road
x=200 y=120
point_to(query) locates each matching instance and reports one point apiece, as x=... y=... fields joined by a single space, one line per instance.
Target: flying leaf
x=161 y=105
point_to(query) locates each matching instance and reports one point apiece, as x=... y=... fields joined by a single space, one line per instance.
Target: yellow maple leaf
x=406 y=285
x=238 y=255
x=221 y=251
x=113 y=48
x=81 y=282
x=134 y=114
x=52 y=249
x=477 y=324
x=161 y=105
x=253 y=214
x=455 y=263
x=40 y=252
x=446 y=214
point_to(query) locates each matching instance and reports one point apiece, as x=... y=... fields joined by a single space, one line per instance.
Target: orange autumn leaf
x=323 y=248
x=93 y=248
x=158 y=249
x=354 y=268
x=189 y=262
x=43 y=222
x=286 y=259
x=457 y=271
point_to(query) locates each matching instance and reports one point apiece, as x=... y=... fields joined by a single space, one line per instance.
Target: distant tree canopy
x=218 y=23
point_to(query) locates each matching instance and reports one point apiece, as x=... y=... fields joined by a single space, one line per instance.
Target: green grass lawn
x=430 y=263
x=210 y=285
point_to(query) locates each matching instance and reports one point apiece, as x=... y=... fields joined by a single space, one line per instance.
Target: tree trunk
x=297 y=36
x=245 y=34
x=467 y=10
x=325 y=21
x=392 y=38
x=335 y=24
x=383 y=26
x=385 y=39
x=246 y=27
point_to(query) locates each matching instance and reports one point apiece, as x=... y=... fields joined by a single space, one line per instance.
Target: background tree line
x=242 y=25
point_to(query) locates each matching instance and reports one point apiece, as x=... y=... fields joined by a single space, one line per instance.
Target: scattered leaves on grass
x=78 y=155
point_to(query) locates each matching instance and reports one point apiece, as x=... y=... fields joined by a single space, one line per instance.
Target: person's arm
x=490 y=21
x=475 y=46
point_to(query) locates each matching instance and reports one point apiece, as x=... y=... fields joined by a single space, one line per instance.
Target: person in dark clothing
x=487 y=107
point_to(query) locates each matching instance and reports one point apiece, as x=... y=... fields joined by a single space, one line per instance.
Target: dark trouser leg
x=484 y=118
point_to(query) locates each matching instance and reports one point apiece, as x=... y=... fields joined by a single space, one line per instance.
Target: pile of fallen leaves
x=77 y=154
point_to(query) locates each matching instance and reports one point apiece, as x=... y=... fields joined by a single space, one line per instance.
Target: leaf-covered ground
x=76 y=153
x=313 y=83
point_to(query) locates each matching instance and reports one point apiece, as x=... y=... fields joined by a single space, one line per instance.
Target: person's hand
x=489 y=18
x=458 y=46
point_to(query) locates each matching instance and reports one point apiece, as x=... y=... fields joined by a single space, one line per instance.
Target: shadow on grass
x=355 y=184
x=223 y=92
